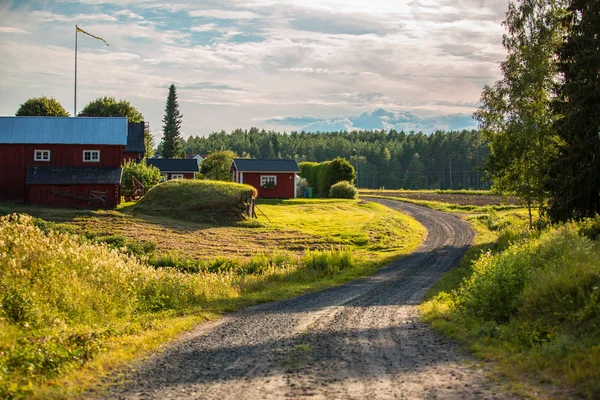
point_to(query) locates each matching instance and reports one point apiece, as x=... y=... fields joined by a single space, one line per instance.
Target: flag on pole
x=89 y=34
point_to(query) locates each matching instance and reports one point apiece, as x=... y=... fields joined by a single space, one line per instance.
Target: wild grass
x=79 y=297
x=531 y=302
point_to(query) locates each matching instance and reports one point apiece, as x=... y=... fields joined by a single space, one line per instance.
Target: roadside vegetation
x=86 y=291
x=528 y=299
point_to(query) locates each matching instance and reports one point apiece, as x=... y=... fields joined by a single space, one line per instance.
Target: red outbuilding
x=274 y=179
x=62 y=161
x=175 y=168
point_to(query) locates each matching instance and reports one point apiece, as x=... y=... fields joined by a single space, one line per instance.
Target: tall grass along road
x=360 y=340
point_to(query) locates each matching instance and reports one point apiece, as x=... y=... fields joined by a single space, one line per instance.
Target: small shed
x=175 y=168
x=73 y=186
x=274 y=179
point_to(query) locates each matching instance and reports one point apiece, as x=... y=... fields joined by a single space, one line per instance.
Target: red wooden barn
x=274 y=179
x=175 y=168
x=62 y=161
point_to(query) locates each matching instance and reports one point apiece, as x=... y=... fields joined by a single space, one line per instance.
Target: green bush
x=148 y=175
x=590 y=227
x=343 y=190
x=322 y=176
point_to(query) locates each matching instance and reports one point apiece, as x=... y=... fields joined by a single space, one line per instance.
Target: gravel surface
x=362 y=340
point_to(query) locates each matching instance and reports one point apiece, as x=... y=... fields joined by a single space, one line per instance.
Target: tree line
x=383 y=158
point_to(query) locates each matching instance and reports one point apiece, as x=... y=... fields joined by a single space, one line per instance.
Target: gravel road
x=362 y=340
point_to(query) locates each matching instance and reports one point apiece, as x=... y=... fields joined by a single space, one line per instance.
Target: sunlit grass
x=307 y=245
x=529 y=301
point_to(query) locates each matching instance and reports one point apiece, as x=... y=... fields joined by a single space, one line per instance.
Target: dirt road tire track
x=362 y=340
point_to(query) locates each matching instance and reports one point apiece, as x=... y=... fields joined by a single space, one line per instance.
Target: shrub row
x=535 y=302
x=322 y=176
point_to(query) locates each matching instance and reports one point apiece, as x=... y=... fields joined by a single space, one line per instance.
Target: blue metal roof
x=63 y=130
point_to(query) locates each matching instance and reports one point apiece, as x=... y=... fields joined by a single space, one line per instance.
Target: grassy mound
x=534 y=305
x=198 y=201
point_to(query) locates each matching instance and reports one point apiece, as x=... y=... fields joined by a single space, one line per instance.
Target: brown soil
x=460 y=199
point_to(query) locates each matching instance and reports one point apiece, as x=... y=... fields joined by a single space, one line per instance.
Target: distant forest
x=385 y=159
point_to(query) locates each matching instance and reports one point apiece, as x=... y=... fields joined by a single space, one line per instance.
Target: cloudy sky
x=274 y=64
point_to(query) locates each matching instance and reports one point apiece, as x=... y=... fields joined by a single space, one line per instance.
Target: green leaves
x=42 y=106
x=110 y=107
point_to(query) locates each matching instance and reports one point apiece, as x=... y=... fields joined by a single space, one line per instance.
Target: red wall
x=16 y=158
x=41 y=195
x=130 y=156
x=286 y=185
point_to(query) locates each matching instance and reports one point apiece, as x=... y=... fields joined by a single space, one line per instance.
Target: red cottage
x=175 y=168
x=274 y=179
x=62 y=161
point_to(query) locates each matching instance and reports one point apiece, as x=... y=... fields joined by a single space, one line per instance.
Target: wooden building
x=63 y=161
x=274 y=179
x=175 y=168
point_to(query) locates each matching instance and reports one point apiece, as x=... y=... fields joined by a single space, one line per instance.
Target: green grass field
x=60 y=336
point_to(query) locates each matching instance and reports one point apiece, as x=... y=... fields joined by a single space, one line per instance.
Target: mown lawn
x=367 y=229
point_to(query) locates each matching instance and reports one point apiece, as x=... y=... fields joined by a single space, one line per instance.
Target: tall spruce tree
x=171 y=142
x=516 y=116
x=575 y=175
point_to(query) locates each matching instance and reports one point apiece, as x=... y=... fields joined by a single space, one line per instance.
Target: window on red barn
x=91 y=155
x=42 y=155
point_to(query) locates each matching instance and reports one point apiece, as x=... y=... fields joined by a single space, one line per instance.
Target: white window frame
x=92 y=152
x=41 y=154
x=264 y=179
x=177 y=176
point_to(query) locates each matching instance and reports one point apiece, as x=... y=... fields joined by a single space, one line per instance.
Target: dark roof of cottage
x=37 y=175
x=174 y=164
x=253 y=165
x=64 y=130
x=135 y=137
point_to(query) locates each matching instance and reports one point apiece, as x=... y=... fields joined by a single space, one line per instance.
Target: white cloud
x=8 y=29
x=204 y=28
x=128 y=14
x=223 y=14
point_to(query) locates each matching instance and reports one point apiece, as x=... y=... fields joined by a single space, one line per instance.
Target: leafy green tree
x=516 y=116
x=110 y=107
x=217 y=166
x=41 y=106
x=340 y=170
x=575 y=175
x=149 y=143
x=148 y=175
x=171 y=145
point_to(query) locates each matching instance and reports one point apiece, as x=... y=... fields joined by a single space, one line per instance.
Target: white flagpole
x=75 y=100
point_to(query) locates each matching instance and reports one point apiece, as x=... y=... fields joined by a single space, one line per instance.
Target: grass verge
x=530 y=303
